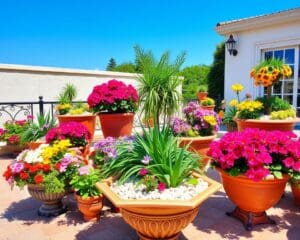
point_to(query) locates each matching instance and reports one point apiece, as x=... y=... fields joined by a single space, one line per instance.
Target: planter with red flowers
x=115 y=103
x=46 y=171
x=255 y=166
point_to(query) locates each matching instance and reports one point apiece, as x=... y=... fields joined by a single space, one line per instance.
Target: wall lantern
x=231 y=46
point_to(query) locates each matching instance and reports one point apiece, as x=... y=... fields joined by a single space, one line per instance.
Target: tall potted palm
x=159 y=84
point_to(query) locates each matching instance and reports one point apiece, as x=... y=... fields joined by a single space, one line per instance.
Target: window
x=288 y=88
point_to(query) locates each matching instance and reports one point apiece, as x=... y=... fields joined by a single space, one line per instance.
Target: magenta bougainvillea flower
x=257 y=153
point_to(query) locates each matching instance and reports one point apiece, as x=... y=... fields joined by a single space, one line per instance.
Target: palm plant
x=68 y=94
x=159 y=84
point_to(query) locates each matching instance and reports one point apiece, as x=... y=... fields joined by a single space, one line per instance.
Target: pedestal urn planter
x=198 y=145
x=52 y=202
x=159 y=219
x=90 y=207
x=269 y=125
x=251 y=198
x=88 y=120
x=116 y=124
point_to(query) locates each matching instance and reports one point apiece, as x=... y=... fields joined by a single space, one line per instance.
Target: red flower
x=143 y=171
x=24 y=175
x=33 y=169
x=13 y=139
x=7 y=174
x=57 y=166
x=38 y=179
x=161 y=186
x=46 y=167
x=39 y=166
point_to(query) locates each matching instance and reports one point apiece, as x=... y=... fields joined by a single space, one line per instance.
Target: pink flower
x=257 y=174
x=143 y=171
x=161 y=187
x=146 y=159
x=289 y=162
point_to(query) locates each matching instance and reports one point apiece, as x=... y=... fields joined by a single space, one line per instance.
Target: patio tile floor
x=19 y=220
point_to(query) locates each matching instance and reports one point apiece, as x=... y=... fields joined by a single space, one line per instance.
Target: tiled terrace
x=19 y=220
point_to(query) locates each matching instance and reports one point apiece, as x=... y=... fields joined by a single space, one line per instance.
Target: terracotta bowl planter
x=201 y=95
x=116 y=124
x=296 y=192
x=89 y=121
x=269 y=125
x=159 y=219
x=252 y=198
x=90 y=207
x=52 y=202
x=210 y=108
x=198 y=145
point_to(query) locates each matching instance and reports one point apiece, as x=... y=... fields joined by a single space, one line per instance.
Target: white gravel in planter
x=186 y=191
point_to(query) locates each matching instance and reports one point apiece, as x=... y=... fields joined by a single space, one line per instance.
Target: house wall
x=249 y=46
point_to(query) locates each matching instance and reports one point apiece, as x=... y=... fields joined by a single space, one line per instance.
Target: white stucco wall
x=249 y=46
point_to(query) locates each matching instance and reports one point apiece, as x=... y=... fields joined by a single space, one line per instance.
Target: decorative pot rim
x=243 y=178
x=90 y=115
x=112 y=113
x=276 y=121
x=213 y=186
x=198 y=138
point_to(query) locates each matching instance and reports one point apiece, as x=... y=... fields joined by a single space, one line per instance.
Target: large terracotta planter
x=90 y=207
x=159 y=219
x=252 y=198
x=116 y=124
x=89 y=121
x=52 y=202
x=201 y=95
x=198 y=145
x=296 y=192
x=210 y=108
x=269 y=125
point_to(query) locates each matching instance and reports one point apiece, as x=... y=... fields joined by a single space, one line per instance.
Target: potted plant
x=159 y=85
x=267 y=73
x=46 y=171
x=202 y=92
x=207 y=103
x=70 y=111
x=89 y=198
x=76 y=132
x=37 y=130
x=254 y=166
x=197 y=130
x=151 y=181
x=115 y=103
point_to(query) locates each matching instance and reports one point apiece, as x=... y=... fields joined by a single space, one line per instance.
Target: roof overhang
x=241 y=25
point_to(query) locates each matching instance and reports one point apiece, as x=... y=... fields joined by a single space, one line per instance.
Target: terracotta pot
x=52 y=202
x=198 y=145
x=90 y=207
x=201 y=95
x=89 y=121
x=159 y=219
x=116 y=124
x=269 y=125
x=34 y=145
x=149 y=122
x=252 y=198
x=210 y=108
x=231 y=127
x=296 y=192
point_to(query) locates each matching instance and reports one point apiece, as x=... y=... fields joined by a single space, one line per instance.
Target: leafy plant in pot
x=46 y=171
x=267 y=73
x=154 y=184
x=202 y=92
x=197 y=130
x=207 y=103
x=89 y=198
x=115 y=103
x=255 y=166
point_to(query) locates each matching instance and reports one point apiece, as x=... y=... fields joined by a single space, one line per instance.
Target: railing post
x=41 y=105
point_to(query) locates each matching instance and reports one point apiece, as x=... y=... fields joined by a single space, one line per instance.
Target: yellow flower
x=237 y=87
x=211 y=120
x=233 y=103
x=53 y=150
x=249 y=105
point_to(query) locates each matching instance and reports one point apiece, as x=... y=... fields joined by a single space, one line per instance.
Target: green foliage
x=169 y=163
x=125 y=67
x=195 y=78
x=159 y=84
x=111 y=64
x=229 y=114
x=207 y=102
x=38 y=129
x=67 y=94
x=85 y=184
x=53 y=184
x=215 y=77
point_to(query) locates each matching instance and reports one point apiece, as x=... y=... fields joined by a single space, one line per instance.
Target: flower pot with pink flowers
x=115 y=103
x=255 y=166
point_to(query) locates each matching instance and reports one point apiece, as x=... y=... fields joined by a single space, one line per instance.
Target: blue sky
x=86 y=34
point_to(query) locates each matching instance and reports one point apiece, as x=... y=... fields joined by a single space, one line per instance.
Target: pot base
x=250 y=219
x=174 y=237
x=52 y=210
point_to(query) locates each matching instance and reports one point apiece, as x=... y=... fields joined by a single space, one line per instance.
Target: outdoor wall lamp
x=231 y=46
